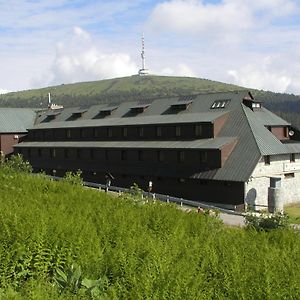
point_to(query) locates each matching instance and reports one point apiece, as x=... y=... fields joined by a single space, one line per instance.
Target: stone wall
x=256 y=189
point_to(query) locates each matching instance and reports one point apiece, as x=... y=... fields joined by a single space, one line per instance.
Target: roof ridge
x=273 y=145
x=248 y=122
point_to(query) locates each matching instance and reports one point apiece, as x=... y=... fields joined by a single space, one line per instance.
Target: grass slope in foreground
x=138 y=251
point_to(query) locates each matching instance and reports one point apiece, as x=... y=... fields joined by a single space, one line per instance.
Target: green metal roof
x=266 y=141
x=267 y=118
x=216 y=143
x=161 y=106
x=245 y=126
x=16 y=120
x=253 y=141
x=141 y=120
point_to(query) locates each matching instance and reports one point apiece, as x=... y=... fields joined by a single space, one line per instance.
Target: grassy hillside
x=135 y=250
x=141 y=88
x=114 y=90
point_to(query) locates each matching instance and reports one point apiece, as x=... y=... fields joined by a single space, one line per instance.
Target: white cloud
x=265 y=76
x=180 y=69
x=81 y=33
x=196 y=16
x=4 y=91
x=78 y=58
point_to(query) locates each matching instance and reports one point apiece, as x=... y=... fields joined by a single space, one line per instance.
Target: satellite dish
x=291 y=133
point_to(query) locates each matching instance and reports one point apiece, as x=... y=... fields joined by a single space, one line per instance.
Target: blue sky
x=251 y=43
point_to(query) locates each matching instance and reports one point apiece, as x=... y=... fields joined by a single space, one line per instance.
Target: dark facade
x=196 y=148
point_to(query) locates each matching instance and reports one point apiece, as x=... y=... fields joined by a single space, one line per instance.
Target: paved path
x=232 y=220
x=228 y=219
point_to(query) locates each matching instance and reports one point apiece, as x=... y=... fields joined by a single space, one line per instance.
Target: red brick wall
x=7 y=141
x=219 y=123
x=280 y=132
x=226 y=151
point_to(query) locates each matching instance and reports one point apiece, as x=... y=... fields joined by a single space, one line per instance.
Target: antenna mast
x=49 y=100
x=143 y=71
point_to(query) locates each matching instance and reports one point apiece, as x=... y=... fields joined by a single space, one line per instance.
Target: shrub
x=266 y=221
x=135 y=193
x=16 y=163
x=73 y=177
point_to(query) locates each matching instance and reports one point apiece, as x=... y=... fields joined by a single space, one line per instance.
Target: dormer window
x=76 y=114
x=220 y=104
x=107 y=111
x=139 y=108
x=181 y=105
x=50 y=115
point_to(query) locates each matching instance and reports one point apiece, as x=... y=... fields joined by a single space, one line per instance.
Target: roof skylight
x=220 y=104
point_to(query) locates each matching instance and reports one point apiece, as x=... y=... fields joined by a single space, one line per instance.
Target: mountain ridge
x=136 y=88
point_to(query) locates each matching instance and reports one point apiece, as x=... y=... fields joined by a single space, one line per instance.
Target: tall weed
x=145 y=251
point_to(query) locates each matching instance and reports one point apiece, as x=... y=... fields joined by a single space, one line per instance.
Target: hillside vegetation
x=62 y=241
x=114 y=90
x=141 y=88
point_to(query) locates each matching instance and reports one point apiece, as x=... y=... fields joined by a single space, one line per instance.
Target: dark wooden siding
x=116 y=133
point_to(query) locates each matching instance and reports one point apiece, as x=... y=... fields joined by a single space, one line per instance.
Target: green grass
x=117 y=89
x=141 y=251
x=293 y=211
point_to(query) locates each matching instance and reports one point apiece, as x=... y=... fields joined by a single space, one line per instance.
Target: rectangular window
x=158 y=131
x=82 y=133
x=66 y=153
x=220 y=104
x=125 y=132
x=181 y=156
x=53 y=152
x=68 y=133
x=29 y=152
x=177 y=131
x=106 y=154
x=160 y=155
x=256 y=105
x=203 y=157
x=289 y=175
x=39 y=152
x=198 y=130
x=92 y=154
x=292 y=157
x=96 y=132
x=123 y=155
x=109 y=132
x=78 y=153
x=267 y=159
x=141 y=131
x=140 y=155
